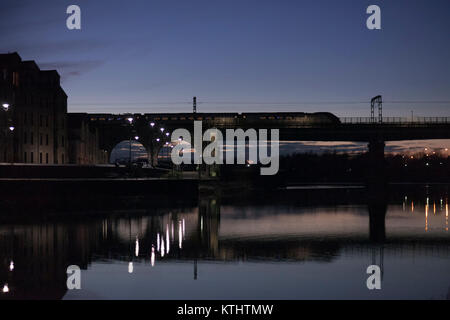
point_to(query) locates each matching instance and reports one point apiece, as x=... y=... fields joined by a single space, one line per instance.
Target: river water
x=302 y=243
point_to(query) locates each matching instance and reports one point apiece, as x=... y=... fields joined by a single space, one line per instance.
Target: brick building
x=84 y=141
x=33 y=115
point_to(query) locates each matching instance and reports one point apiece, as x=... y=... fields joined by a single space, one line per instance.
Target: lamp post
x=130 y=120
x=9 y=128
x=157 y=138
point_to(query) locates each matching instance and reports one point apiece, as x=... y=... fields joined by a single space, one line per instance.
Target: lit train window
x=262 y=118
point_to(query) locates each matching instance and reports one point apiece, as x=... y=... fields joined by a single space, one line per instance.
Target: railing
x=394 y=120
x=432 y=119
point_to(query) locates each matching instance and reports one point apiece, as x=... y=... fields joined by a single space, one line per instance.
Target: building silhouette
x=34 y=121
x=84 y=141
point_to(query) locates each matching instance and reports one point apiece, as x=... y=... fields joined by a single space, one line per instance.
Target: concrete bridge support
x=376 y=170
x=377 y=190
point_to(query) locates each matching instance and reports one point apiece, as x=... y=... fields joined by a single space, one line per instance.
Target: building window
x=16 y=79
x=46 y=121
x=62 y=158
x=31 y=157
x=32 y=119
x=46 y=139
x=40 y=157
x=24 y=138
x=62 y=141
x=31 y=138
x=46 y=158
x=40 y=120
x=25 y=157
x=5 y=74
x=40 y=139
x=24 y=118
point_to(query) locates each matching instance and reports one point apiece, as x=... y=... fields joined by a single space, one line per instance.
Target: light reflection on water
x=292 y=246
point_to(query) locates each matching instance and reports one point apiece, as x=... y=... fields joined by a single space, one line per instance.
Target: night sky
x=239 y=55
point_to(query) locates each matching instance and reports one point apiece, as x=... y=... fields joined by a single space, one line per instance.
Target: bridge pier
x=376 y=171
x=376 y=190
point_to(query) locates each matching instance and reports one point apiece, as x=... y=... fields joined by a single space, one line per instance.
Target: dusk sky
x=246 y=55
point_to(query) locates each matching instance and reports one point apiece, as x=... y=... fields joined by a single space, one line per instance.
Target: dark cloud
x=69 y=69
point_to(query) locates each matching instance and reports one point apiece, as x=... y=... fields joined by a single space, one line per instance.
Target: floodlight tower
x=379 y=102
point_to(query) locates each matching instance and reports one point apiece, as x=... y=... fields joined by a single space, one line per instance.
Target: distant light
x=136 y=251
x=11 y=128
x=130 y=120
x=162 y=129
x=167 y=143
x=157 y=139
x=426 y=149
x=152 y=124
x=152 y=259
x=5 y=105
x=130 y=267
x=136 y=138
x=167 y=134
x=427 y=164
x=11 y=266
x=5 y=288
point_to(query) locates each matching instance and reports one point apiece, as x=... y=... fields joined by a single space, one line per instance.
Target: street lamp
x=136 y=138
x=152 y=124
x=11 y=128
x=162 y=129
x=5 y=105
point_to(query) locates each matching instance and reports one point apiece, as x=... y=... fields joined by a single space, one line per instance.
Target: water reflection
x=321 y=232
